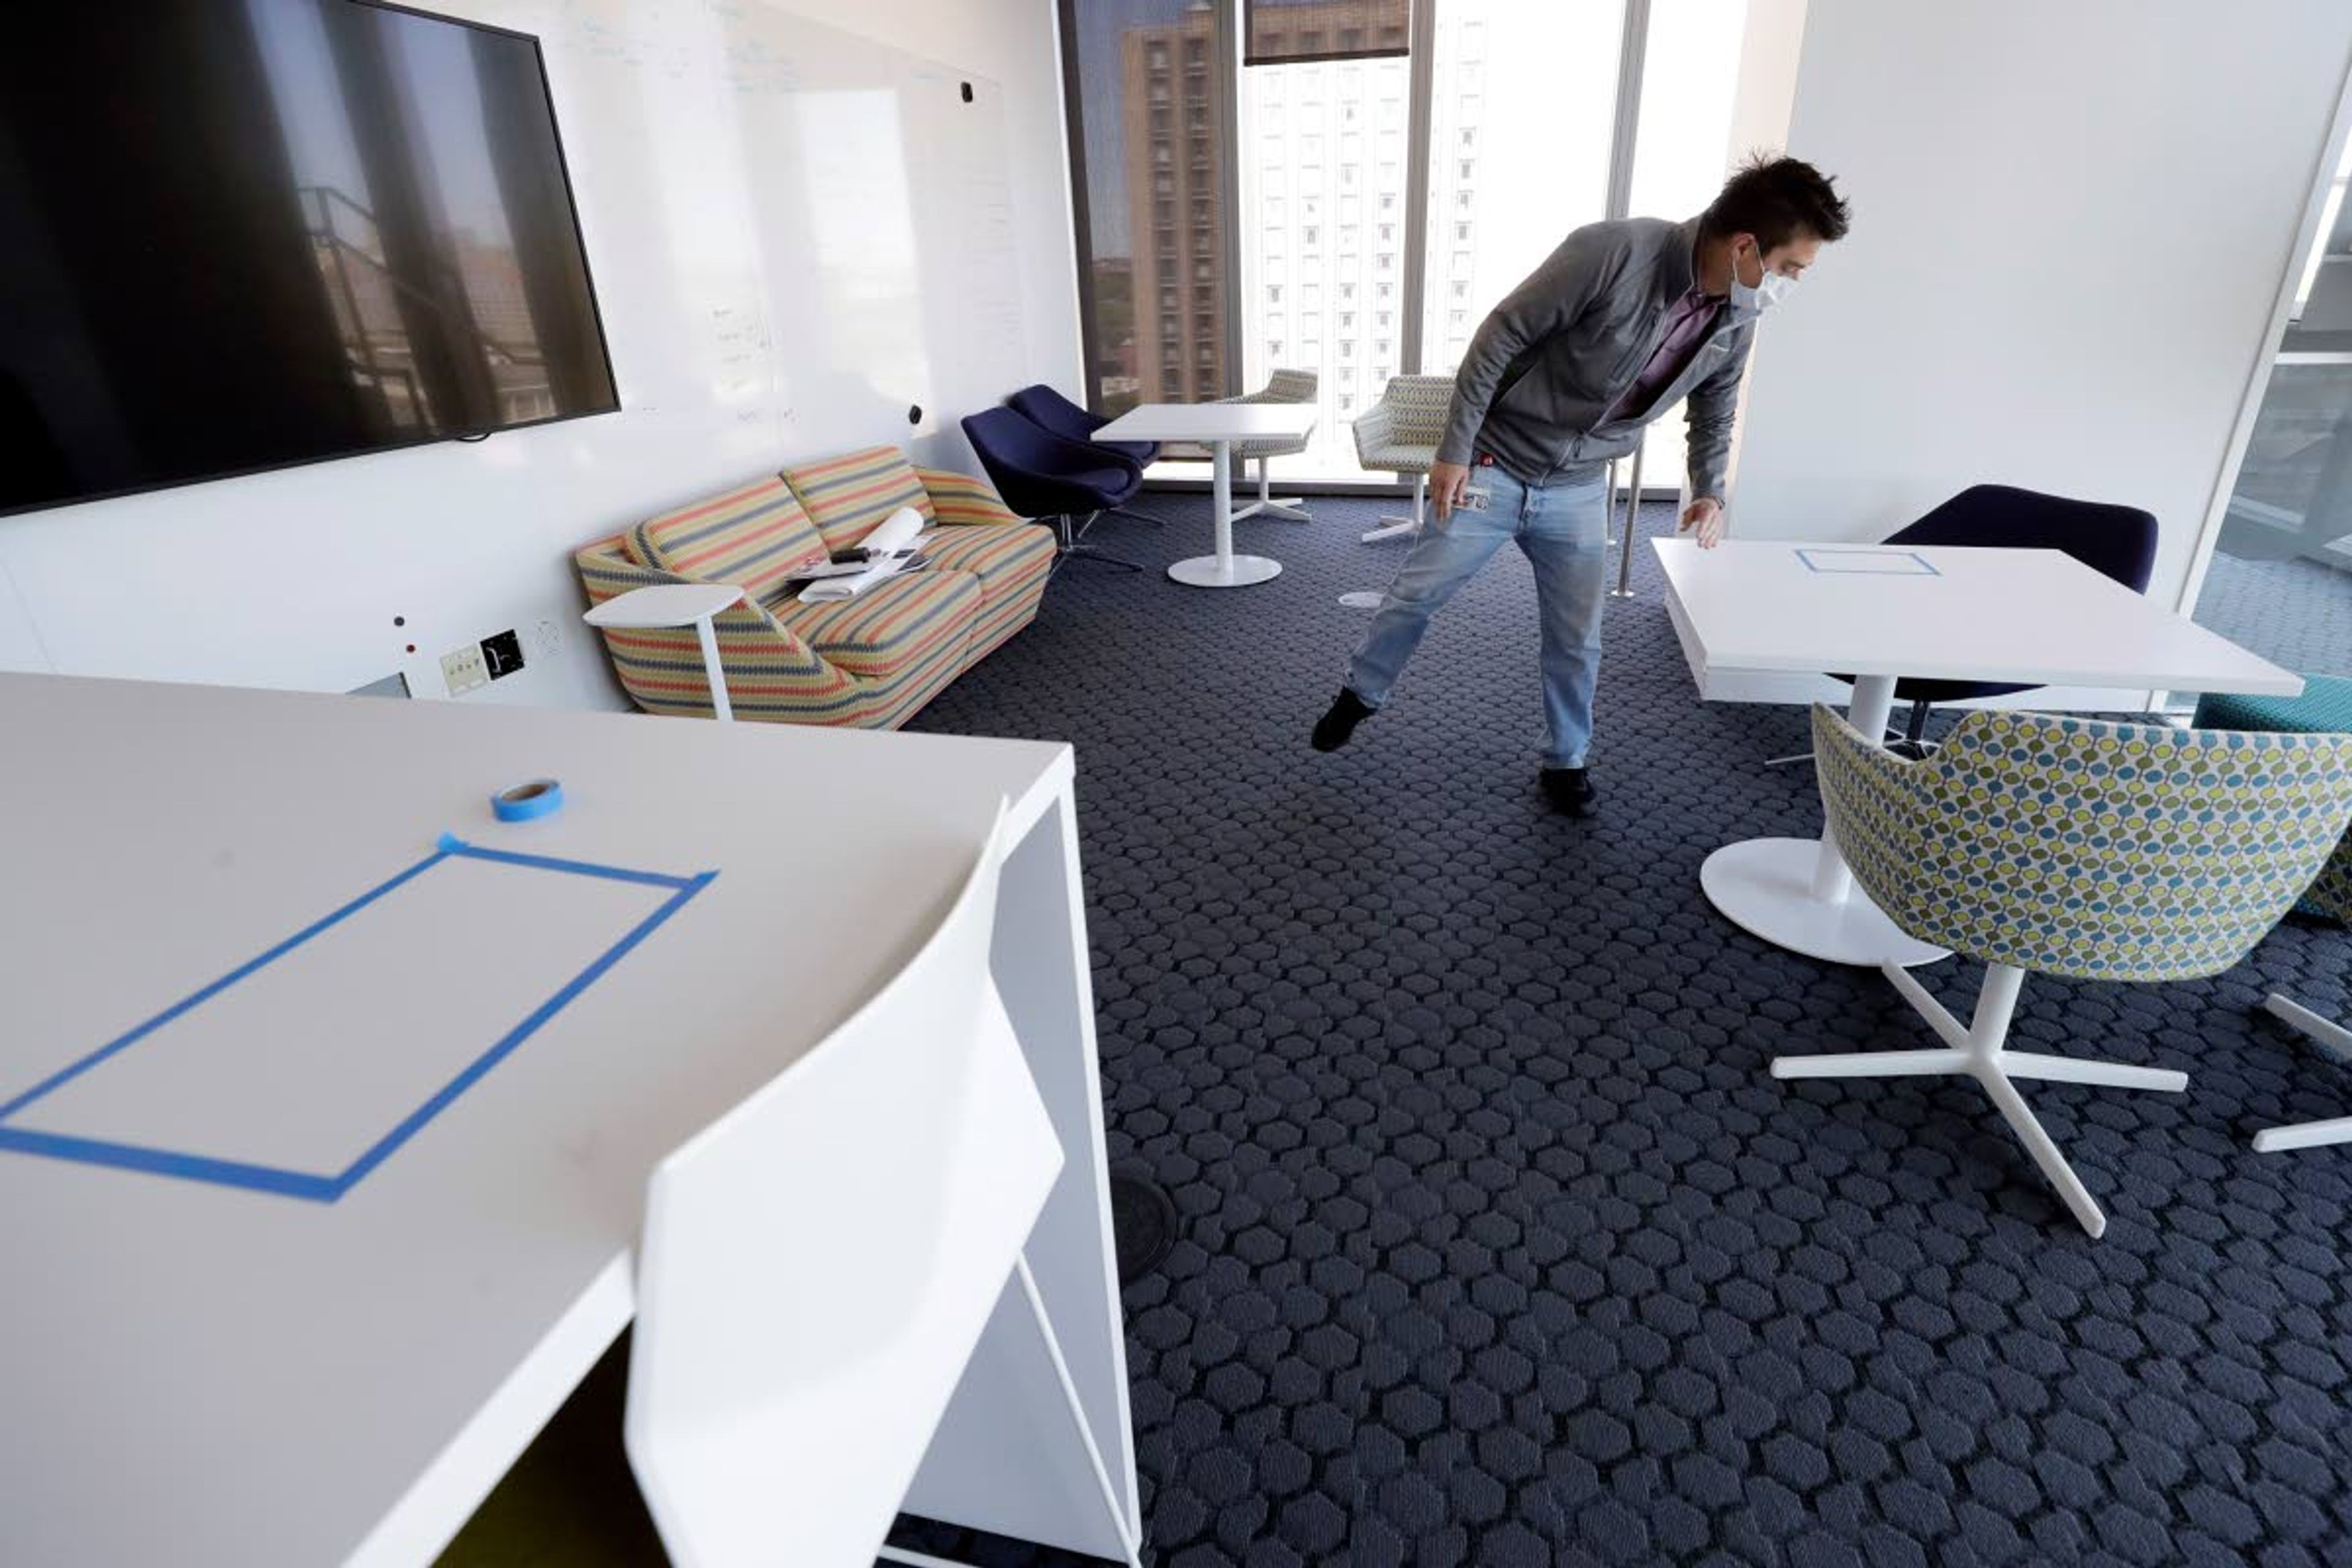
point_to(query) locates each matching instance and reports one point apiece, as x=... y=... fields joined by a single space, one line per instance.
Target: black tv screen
x=236 y=235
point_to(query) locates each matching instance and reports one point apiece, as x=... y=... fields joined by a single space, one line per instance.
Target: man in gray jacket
x=1622 y=322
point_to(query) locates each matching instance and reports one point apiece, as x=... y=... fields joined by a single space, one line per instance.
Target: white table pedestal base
x=1224 y=569
x=1237 y=572
x=1799 y=893
x=1764 y=886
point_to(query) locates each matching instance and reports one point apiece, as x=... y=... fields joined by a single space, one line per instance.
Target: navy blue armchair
x=2117 y=541
x=1048 y=409
x=1043 y=405
x=1041 y=475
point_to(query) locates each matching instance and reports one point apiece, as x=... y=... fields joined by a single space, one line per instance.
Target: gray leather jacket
x=1560 y=349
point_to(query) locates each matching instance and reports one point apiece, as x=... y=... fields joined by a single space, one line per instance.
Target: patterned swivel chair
x=1286 y=387
x=2325 y=707
x=2074 y=848
x=2331 y=895
x=1398 y=435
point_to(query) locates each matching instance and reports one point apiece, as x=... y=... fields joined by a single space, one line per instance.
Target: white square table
x=200 y=1369
x=1217 y=425
x=2035 y=617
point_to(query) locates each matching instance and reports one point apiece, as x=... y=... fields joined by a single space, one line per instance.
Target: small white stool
x=666 y=606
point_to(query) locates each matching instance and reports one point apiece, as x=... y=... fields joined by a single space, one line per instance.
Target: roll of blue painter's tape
x=524 y=802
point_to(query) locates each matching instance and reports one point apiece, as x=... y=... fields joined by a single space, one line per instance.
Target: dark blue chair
x=1041 y=475
x=1043 y=405
x=1047 y=408
x=2117 y=541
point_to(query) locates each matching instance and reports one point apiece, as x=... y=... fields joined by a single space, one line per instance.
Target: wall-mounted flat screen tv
x=236 y=235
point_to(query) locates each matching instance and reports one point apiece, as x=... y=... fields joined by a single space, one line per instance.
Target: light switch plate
x=463 y=669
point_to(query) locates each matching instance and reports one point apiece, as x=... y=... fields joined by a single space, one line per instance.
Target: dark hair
x=1776 y=199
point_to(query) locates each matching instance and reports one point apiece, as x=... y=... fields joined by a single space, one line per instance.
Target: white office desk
x=2035 y=617
x=1217 y=425
x=198 y=1373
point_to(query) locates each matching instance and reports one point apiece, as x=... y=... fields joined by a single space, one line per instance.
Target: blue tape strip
x=1926 y=568
x=481 y=1065
x=164 y=1163
x=310 y=1184
x=576 y=867
x=123 y=1042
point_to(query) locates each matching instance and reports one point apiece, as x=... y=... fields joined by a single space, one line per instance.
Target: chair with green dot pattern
x=2331 y=895
x=2079 y=849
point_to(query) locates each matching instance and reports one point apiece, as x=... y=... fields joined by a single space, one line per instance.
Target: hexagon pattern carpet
x=1500 y=1247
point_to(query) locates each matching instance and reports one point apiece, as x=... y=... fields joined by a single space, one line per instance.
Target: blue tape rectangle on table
x=326 y=1186
x=1864 y=561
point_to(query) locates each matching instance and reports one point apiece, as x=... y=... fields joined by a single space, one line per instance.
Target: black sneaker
x=1348 y=711
x=1568 y=790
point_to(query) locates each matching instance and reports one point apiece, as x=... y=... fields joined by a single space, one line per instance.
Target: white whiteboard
x=840 y=232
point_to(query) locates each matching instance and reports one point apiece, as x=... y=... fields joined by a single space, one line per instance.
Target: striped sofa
x=872 y=661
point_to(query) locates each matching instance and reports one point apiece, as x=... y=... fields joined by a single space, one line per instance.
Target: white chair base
x=2336 y=1041
x=1795 y=757
x=1292 y=509
x=1980 y=1052
x=1392 y=526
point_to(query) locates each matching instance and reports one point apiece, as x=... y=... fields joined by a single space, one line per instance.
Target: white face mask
x=1764 y=294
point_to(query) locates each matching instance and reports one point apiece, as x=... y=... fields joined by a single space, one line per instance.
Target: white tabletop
x=194 y=1373
x=2035 y=617
x=1211 y=422
x=664 y=605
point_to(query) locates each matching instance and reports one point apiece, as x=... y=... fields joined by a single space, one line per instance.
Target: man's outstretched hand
x=1447 y=481
x=1705 y=515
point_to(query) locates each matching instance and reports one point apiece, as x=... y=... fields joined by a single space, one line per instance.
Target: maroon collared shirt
x=1687 y=320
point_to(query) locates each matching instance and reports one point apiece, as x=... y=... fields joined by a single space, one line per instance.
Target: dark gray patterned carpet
x=2295 y=612
x=1500 y=1245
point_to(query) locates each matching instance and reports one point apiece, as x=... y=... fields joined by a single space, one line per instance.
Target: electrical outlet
x=464 y=669
x=503 y=654
x=550 y=639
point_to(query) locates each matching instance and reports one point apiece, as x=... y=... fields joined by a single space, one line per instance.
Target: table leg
x=1799 y=893
x=1220 y=503
x=711 y=672
x=1874 y=699
x=1224 y=569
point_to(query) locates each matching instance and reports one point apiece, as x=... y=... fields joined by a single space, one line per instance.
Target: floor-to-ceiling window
x=1324 y=126
x=1148 y=84
x=1373 y=231
x=1690 y=76
x=2280 y=580
x=1523 y=107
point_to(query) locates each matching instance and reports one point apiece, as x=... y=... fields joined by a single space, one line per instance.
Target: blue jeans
x=1563 y=527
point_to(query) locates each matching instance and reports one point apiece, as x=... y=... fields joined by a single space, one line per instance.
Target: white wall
x=2071 y=222
x=294 y=579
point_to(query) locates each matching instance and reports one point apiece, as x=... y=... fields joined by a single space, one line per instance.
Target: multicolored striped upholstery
x=2079 y=847
x=872 y=661
x=892 y=625
x=959 y=500
x=849 y=497
x=1011 y=566
x=1398 y=435
x=770 y=673
x=755 y=537
x=1282 y=386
